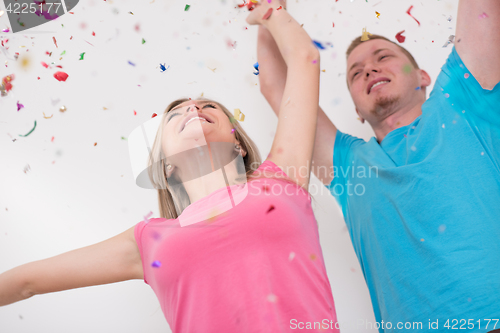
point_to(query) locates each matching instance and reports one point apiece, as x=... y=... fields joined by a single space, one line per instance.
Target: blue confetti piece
x=318 y=45
x=156 y=263
x=255 y=73
x=131 y=63
x=417 y=88
x=162 y=67
x=256 y=66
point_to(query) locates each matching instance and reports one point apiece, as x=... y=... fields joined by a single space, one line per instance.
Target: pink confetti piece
x=147 y=216
x=6 y=30
x=466 y=75
x=19 y=106
x=483 y=15
x=408 y=12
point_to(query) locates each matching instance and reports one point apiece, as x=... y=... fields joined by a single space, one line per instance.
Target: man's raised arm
x=477 y=40
x=272 y=77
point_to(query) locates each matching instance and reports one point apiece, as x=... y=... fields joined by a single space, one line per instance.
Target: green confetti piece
x=62 y=25
x=123 y=138
x=143 y=41
x=81 y=55
x=407 y=69
x=29 y=131
x=187 y=8
x=64 y=52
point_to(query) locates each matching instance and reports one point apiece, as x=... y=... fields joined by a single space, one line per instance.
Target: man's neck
x=396 y=120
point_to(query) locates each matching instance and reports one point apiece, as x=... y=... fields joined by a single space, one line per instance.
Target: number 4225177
x=25 y=8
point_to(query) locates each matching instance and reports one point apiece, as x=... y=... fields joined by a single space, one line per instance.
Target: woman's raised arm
x=294 y=140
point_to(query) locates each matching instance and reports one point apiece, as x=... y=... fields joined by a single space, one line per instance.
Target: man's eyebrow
x=357 y=63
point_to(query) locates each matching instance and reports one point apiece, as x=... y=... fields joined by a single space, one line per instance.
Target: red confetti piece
x=333 y=24
x=93 y=33
x=267 y=15
x=44 y=64
x=266 y=188
x=95 y=144
x=280 y=7
x=270 y=209
x=250 y=5
x=61 y=76
x=55 y=42
x=408 y=12
x=154 y=115
x=400 y=38
x=52 y=139
x=135 y=113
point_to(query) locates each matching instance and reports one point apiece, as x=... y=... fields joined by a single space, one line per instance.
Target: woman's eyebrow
x=177 y=107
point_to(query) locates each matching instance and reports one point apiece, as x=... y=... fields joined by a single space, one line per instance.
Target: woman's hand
x=263 y=10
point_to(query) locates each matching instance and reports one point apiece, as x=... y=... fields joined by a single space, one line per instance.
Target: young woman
x=255 y=266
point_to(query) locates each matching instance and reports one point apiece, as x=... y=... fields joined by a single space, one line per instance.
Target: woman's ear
x=242 y=150
x=169 y=170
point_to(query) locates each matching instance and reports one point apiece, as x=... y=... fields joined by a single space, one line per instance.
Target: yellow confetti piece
x=62 y=108
x=238 y=115
x=364 y=36
x=313 y=256
x=378 y=14
x=46 y=116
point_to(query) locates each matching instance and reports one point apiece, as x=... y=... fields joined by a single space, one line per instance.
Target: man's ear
x=361 y=119
x=425 y=79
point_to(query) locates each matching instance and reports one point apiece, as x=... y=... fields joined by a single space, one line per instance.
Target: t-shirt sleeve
x=343 y=153
x=457 y=83
x=464 y=94
x=138 y=230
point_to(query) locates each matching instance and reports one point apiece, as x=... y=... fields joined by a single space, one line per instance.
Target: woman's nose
x=193 y=108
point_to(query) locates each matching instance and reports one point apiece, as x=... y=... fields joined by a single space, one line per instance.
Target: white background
x=76 y=194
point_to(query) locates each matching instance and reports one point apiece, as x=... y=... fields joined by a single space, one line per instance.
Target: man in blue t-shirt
x=421 y=200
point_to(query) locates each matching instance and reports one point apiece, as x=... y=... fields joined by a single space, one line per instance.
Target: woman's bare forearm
x=292 y=40
x=13 y=287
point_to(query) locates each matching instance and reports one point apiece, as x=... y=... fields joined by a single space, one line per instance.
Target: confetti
x=47 y=118
x=162 y=67
x=399 y=37
x=64 y=52
x=19 y=106
x=186 y=8
x=131 y=63
x=143 y=41
x=27 y=168
x=61 y=76
x=256 y=66
x=81 y=55
x=123 y=138
x=156 y=264
x=318 y=45
x=267 y=15
x=93 y=33
x=232 y=131
x=147 y=216
x=154 y=115
x=131 y=13
x=408 y=12
x=483 y=15
x=55 y=42
x=466 y=75
x=364 y=35
x=377 y=13
x=313 y=256
x=271 y=208
x=238 y=115
x=29 y=131
x=250 y=5
x=95 y=144
x=62 y=109
x=6 y=30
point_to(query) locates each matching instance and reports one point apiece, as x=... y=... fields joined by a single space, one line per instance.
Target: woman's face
x=194 y=123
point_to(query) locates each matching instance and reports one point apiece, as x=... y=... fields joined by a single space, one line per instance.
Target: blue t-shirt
x=423 y=208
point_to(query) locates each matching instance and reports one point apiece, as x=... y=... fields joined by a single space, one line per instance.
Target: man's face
x=379 y=59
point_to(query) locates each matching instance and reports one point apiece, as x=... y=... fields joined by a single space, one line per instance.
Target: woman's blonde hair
x=157 y=166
